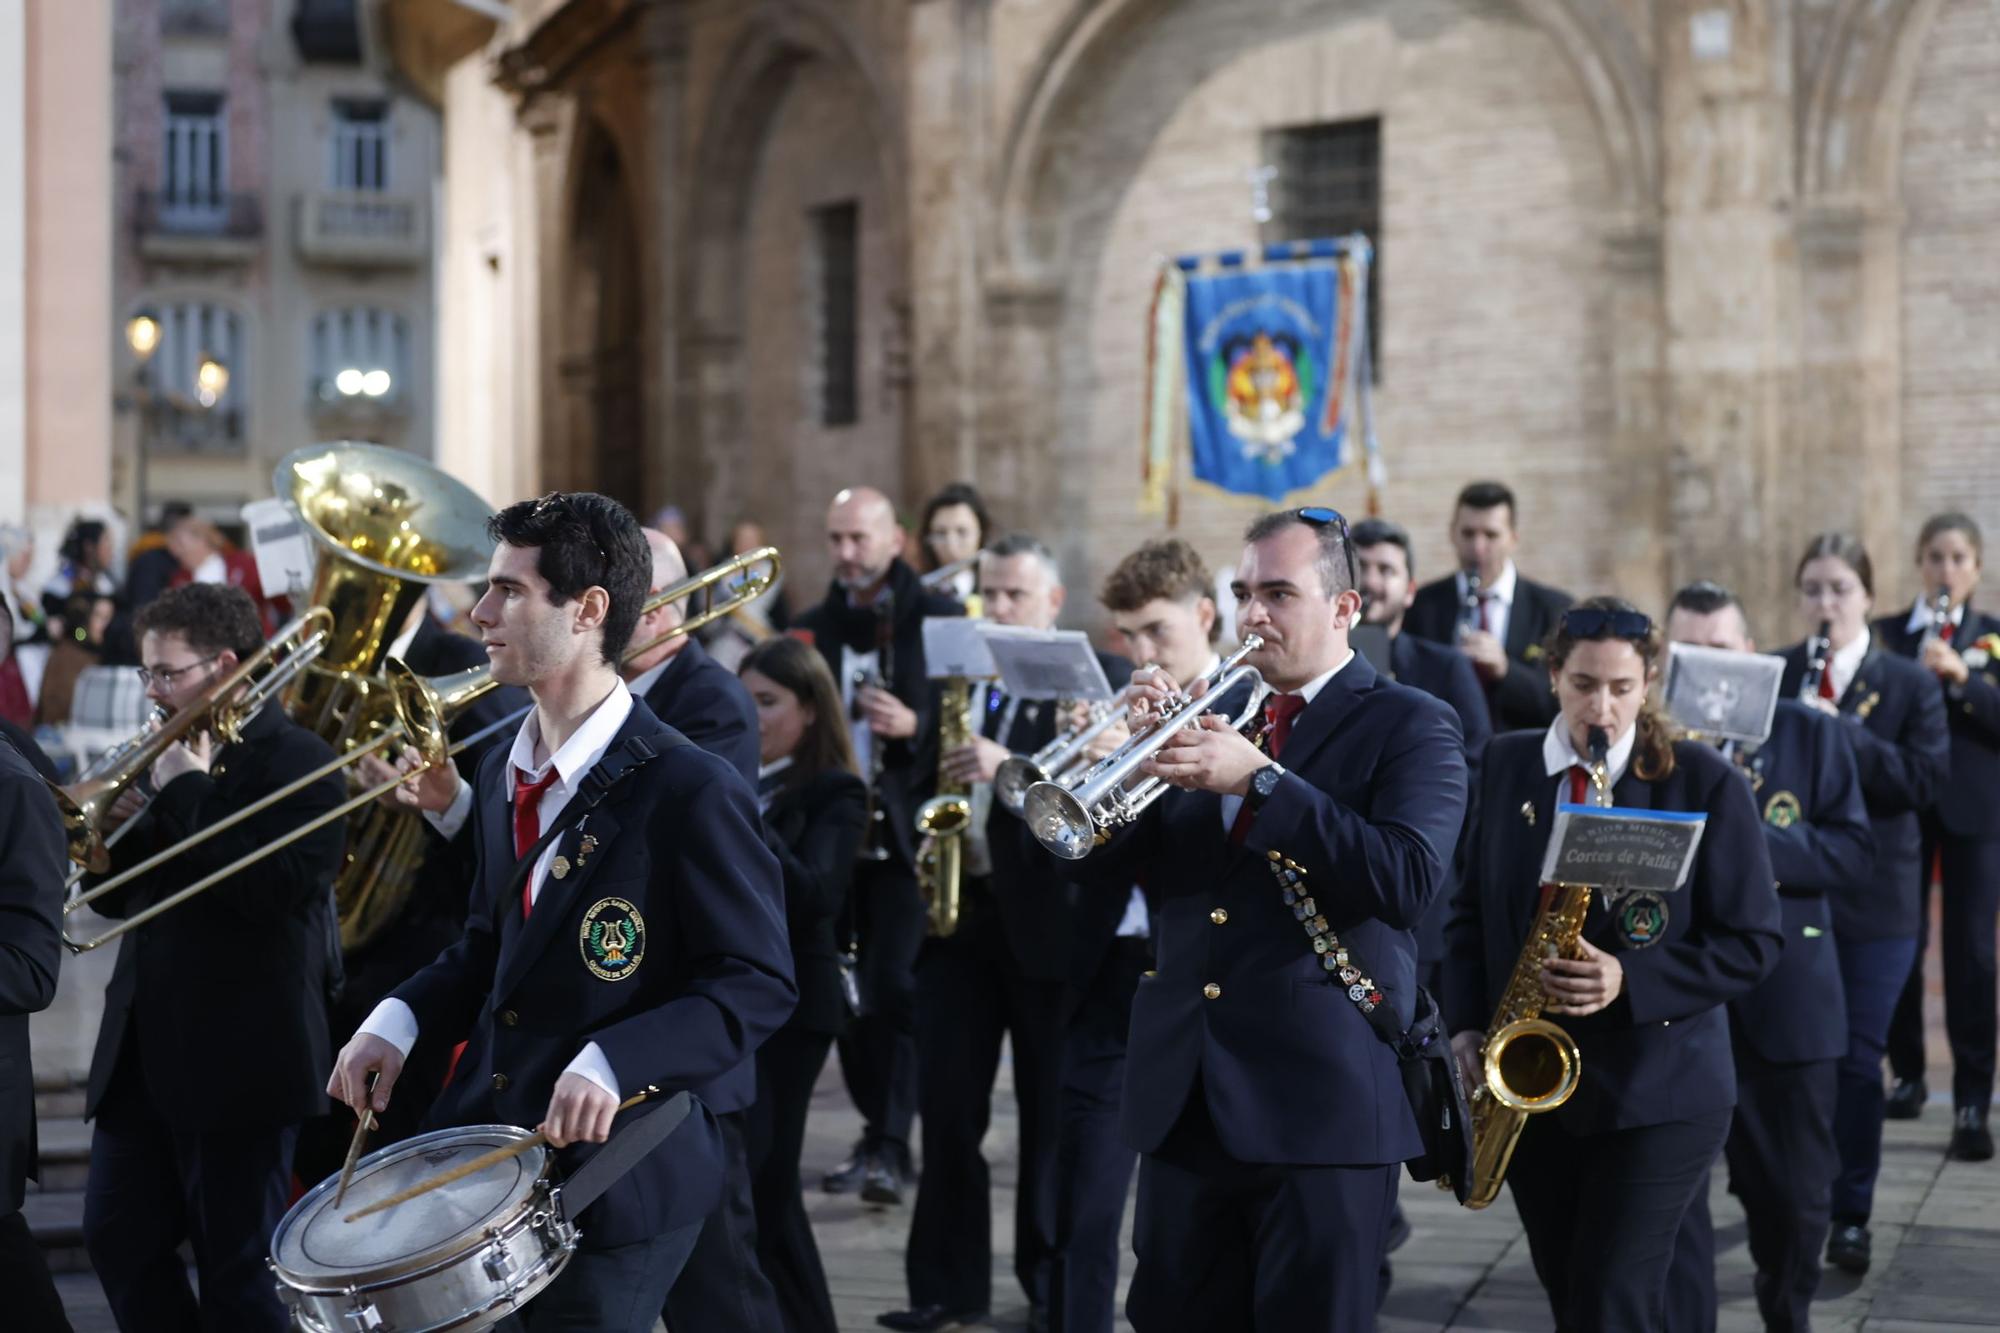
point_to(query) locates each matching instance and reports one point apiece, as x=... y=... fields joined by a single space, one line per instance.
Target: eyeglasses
x=1590 y=622
x=553 y=498
x=166 y=676
x=1319 y=516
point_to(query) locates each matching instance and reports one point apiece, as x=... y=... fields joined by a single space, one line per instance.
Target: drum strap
x=637 y=1137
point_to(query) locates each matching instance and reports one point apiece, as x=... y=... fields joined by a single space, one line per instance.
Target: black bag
x=1437 y=1097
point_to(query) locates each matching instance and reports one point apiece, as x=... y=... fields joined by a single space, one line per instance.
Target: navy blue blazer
x=678 y=842
x=705 y=702
x=1902 y=748
x=1446 y=674
x=816 y=827
x=1966 y=805
x=1521 y=698
x=1291 y=1069
x=33 y=863
x=1660 y=1052
x=1804 y=783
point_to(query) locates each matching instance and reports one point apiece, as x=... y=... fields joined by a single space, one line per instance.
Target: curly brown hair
x=212 y=617
x=1169 y=569
x=1653 y=753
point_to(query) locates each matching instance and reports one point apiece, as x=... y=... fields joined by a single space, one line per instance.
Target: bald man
x=685 y=687
x=870 y=629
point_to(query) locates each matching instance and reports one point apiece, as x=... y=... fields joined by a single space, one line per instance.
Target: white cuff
x=590 y=1063
x=452 y=818
x=394 y=1022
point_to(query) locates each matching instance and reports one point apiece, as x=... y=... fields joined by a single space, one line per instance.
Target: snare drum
x=460 y=1257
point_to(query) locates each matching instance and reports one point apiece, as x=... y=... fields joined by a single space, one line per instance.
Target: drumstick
x=361 y=1128
x=477 y=1164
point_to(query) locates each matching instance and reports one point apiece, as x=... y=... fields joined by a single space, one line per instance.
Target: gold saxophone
x=944 y=818
x=1530 y=1064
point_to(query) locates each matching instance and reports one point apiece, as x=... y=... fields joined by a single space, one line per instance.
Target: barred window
x=836 y=247
x=359 y=352
x=1329 y=183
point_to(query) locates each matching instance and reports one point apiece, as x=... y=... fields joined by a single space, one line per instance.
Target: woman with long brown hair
x=1601 y=1184
x=815 y=807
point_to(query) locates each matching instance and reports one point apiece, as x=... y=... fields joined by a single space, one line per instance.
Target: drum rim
x=439 y=1255
x=547 y=1271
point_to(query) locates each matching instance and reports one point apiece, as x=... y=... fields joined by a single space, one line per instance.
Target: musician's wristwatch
x=1262 y=783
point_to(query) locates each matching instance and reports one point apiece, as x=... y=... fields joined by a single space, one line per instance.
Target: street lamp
x=211 y=381
x=142 y=334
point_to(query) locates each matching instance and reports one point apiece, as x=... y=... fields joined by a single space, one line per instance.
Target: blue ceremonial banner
x=1274 y=367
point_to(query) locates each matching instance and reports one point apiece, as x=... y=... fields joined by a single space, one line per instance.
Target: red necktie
x=1826 y=686
x=528 y=826
x=1280 y=710
x=1485 y=624
x=1944 y=631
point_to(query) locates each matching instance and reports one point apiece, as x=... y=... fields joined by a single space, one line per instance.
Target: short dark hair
x=1704 y=597
x=1845 y=548
x=957 y=493
x=584 y=540
x=1488 y=495
x=1381 y=532
x=212 y=617
x=1951 y=521
x=79 y=545
x=1169 y=569
x=1335 y=561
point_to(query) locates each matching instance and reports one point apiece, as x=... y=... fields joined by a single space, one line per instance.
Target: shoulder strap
x=604 y=776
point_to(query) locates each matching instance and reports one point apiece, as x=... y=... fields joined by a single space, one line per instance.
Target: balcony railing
x=363 y=228
x=211 y=227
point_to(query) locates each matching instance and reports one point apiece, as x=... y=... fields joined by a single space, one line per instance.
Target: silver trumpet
x=1071 y=819
x=1059 y=757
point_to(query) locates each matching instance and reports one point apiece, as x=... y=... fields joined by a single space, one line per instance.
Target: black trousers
x=28 y=1291
x=1245 y=1247
x=616 y=1289
x=1603 y=1212
x=1094 y=1165
x=151 y=1187
x=722 y=1287
x=1782 y=1162
x=1971 y=907
x=971 y=993
x=788 y=1066
x=878 y=1052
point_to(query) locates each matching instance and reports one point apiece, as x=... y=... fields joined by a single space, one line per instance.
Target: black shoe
x=883 y=1184
x=1906 y=1099
x=1971 y=1141
x=1847 y=1248
x=930 y=1319
x=848 y=1174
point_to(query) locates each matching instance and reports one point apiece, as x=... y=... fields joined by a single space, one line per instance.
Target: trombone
x=1071 y=821
x=425 y=708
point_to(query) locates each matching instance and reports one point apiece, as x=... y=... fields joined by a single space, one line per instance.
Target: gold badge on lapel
x=612 y=939
x=1867 y=706
x=1532 y=653
x=1783 y=810
x=1528 y=812
x=584 y=849
x=559 y=867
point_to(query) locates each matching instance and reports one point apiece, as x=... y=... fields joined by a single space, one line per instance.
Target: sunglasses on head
x=1590 y=622
x=1320 y=516
x=554 y=498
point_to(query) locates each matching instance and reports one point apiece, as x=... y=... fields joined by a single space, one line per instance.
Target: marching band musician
x=953 y=530
x=1491 y=613
x=870 y=631
x=1000 y=973
x=1960 y=838
x=1789 y=1033
x=816 y=807
x=627 y=928
x=187 y=1147
x=1271 y=1118
x=32 y=869
x=1602 y=1182
x=1894 y=716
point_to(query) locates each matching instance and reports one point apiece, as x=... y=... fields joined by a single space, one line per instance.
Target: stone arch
x=1602 y=51
x=599 y=356
x=1858 y=92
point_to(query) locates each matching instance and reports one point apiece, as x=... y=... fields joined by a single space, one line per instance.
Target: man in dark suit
x=33 y=865
x=870 y=630
x=1788 y=1033
x=188 y=1147
x=608 y=821
x=1271 y=1117
x=1500 y=620
x=723 y=1286
x=37 y=758
x=1002 y=973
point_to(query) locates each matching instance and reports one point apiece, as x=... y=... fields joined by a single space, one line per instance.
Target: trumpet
x=1060 y=757
x=1070 y=822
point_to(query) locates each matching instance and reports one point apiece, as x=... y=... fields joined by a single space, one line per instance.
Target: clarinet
x=875 y=842
x=1468 y=611
x=1940 y=617
x=1819 y=648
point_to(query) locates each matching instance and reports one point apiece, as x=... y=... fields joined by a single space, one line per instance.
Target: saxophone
x=944 y=818
x=1530 y=1064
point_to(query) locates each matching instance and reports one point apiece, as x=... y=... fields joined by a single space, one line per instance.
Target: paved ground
x=1937 y=1245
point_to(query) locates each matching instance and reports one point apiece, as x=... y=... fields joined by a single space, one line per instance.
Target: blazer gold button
x=1219 y=916
x=499 y=1083
x=509 y=1018
x=1212 y=991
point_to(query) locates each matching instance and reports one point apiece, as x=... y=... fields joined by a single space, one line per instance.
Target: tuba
x=1530 y=1064
x=944 y=818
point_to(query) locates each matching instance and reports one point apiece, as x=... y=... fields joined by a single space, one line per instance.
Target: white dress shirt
x=393 y=1020
x=770 y=770
x=1923 y=614
x=642 y=684
x=1840 y=668
x=1309 y=691
x=1499 y=599
x=1559 y=756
